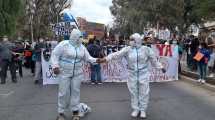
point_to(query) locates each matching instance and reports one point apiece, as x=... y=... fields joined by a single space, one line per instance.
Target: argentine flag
x=68 y=17
x=66 y=25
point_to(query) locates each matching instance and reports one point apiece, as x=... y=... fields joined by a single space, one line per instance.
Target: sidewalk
x=194 y=74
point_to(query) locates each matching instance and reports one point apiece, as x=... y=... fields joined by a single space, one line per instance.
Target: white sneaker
x=135 y=113
x=211 y=75
x=199 y=80
x=203 y=81
x=93 y=83
x=142 y=114
x=100 y=83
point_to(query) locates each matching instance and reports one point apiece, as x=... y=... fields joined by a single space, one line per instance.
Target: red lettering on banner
x=164 y=50
x=160 y=47
x=158 y=77
x=168 y=50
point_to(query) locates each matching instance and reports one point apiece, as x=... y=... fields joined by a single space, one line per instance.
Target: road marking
x=7 y=94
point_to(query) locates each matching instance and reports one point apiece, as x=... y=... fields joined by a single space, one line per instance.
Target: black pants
x=95 y=73
x=19 y=67
x=214 y=68
x=32 y=67
x=4 y=67
x=179 y=67
x=28 y=62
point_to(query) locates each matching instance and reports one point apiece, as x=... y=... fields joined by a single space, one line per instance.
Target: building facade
x=91 y=28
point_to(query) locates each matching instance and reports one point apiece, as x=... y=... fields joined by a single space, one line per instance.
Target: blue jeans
x=95 y=73
x=189 y=61
x=202 y=68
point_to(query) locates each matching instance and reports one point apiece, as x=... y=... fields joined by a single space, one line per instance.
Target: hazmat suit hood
x=76 y=37
x=136 y=40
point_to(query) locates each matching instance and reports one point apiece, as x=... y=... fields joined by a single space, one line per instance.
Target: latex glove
x=56 y=70
x=163 y=70
x=101 y=60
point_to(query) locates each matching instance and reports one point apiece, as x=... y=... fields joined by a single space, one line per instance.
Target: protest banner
x=116 y=71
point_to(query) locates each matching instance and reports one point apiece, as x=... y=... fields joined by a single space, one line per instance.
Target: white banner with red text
x=116 y=71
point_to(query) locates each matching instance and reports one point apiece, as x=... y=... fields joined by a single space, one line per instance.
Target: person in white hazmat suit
x=67 y=60
x=137 y=57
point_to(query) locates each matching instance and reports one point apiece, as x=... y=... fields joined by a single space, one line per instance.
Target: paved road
x=169 y=101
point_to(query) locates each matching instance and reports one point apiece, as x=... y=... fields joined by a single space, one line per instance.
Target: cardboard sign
x=198 y=56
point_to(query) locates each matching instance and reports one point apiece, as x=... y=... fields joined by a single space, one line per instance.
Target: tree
x=45 y=13
x=9 y=12
x=206 y=9
x=135 y=15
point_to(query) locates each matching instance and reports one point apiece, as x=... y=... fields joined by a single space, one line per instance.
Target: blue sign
x=65 y=28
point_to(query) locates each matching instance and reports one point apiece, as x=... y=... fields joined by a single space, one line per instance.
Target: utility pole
x=30 y=9
x=57 y=7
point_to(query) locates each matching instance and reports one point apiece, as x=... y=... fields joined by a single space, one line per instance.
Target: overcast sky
x=93 y=10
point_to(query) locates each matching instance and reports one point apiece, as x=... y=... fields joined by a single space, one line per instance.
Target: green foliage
x=206 y=9
x=45 y=14
x=15 y=19
x=135 y=15
x=9 y=11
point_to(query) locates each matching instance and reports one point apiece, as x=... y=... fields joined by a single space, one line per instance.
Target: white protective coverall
x=69 y=56
x=137 y=57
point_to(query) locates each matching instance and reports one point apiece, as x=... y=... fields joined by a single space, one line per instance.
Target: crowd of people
x=188 y=47
x=68 y=57
x=204 y=49
x=16 y=54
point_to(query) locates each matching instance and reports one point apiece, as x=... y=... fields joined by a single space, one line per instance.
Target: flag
x=68 y=17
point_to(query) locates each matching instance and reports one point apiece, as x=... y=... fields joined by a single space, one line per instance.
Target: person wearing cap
x=137 y=57
x=147 y=40
x=67 y=60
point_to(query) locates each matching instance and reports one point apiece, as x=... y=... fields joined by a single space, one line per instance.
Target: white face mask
x=138 y=42
x=41 y=40
x=76 y=36
x=132 y=43
x=78 y=41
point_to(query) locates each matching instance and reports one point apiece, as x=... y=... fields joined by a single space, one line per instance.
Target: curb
x=193 y=81
x=194 y=75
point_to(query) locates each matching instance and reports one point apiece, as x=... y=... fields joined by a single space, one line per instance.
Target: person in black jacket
x=194 y=49
x=19 y=50
x=95 y=51
x=7 y=55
